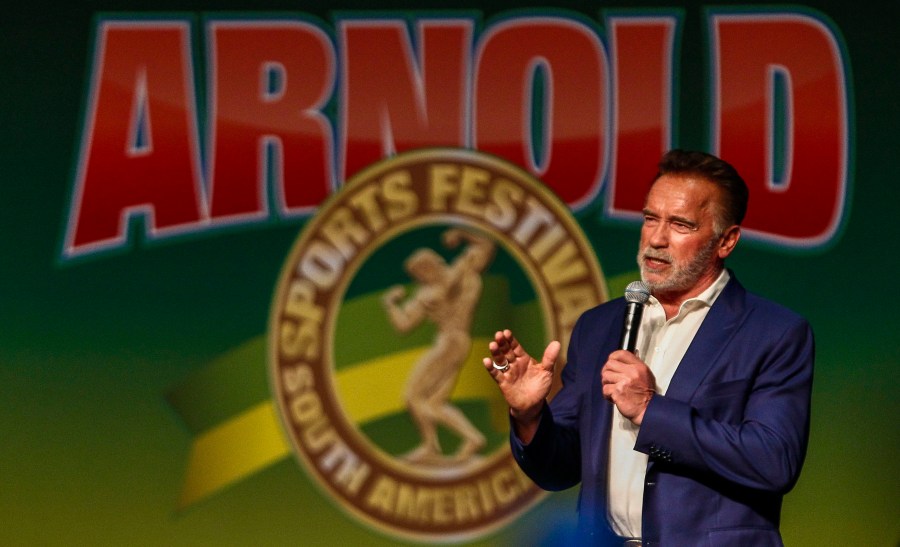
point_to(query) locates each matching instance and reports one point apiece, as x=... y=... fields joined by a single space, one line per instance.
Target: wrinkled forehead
x=683 y=195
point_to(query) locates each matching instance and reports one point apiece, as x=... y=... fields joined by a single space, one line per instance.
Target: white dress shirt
x=661 y=344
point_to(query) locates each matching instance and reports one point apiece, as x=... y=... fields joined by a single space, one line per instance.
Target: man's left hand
x=628 y=383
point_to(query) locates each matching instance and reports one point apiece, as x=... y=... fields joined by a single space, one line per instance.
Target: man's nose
x=659 y=235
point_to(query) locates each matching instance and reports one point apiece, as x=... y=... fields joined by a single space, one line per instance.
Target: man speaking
x=695 y=436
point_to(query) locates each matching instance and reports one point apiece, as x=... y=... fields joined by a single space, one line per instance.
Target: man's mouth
x=656 y=262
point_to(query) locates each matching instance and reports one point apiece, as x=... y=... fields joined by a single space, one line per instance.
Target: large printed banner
x=544 y=92
x=281 y=240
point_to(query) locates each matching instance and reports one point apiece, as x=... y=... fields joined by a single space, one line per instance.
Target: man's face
x=680 y=251
x=425 y=266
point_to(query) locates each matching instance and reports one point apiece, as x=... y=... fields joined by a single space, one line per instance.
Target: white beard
x=682 y=276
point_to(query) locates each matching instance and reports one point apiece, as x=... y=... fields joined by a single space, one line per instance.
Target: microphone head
x=637 y=292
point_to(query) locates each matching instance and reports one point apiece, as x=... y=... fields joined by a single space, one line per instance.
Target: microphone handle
x=633 y=312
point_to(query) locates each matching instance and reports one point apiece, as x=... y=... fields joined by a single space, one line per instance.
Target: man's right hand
x=526 y=384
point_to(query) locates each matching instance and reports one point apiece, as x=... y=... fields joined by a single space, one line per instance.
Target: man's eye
x=650 y=221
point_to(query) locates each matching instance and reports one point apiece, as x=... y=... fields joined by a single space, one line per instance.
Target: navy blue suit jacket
x=726 y=442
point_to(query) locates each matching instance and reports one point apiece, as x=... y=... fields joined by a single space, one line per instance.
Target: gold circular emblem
x=379 y=321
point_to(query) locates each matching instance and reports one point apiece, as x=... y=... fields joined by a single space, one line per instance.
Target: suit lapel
x=720 y=324
x=600 y=410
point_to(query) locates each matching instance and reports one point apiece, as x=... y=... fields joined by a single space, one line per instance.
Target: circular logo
x=379 y=322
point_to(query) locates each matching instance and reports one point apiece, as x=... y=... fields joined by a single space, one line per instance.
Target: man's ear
x=728 y=240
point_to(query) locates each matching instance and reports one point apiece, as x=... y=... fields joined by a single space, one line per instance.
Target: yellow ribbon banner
x=252 y=440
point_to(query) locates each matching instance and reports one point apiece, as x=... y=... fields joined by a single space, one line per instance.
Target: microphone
x=636 y=294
